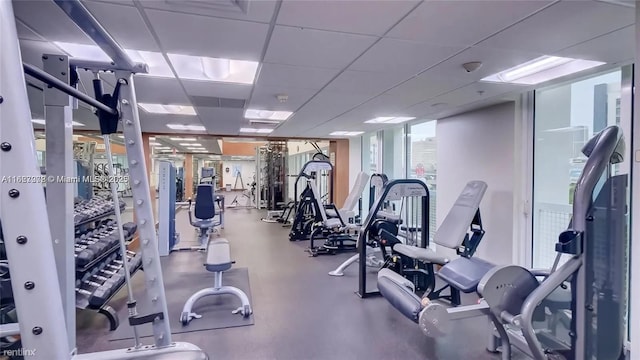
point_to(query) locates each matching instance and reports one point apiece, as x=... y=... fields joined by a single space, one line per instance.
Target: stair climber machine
x=573 y=311
x=307 y=204
x=376 y=184
x=339 y=227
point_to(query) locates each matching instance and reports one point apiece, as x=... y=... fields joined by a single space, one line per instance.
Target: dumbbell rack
x=82 y=299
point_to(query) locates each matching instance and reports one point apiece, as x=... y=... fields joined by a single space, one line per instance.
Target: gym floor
x=300 y=311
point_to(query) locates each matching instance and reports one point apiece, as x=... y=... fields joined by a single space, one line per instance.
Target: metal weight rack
x=271 y=175
x=41 y=262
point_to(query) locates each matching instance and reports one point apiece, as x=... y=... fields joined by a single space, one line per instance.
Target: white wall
x=479 y=145
x=247 y=170
x=355 y=159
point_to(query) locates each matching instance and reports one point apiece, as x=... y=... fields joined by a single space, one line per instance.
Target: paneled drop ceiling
x=339 y=62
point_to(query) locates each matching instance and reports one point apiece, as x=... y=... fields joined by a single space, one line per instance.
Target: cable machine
x=271 y=175
x=42 y=271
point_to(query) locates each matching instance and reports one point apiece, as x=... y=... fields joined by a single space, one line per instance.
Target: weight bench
x=453 y=233
x=218 y=261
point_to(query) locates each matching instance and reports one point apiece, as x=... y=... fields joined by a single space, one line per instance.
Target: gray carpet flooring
x=300 y=312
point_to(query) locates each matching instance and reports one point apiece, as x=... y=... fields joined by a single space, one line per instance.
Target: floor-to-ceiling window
x=566 y=117
x=393 y=153
x=421 y=158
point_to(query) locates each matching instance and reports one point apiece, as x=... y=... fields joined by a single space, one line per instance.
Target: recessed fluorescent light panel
x=186 y=127
x=182 y=139
x=267 y=114
x=346 y=133
x=191 y=144
x=163 y=148
x=43 y=122
x=158 y=66
x=542 y=69
x=168 y=109
x=214 y=69
x=389 y=120
x=256 y=131
x=155 y=144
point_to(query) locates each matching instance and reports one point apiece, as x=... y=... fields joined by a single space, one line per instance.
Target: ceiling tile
x=403 y=56
x=158 y=122
x=206 y=36
x=360 y=17
x=32 y=51
x=562 y=25
x=425 y=86
x=493 y=60
x=48 y=20
x=298 y=77
x=25 y=33
x=462 y=22
x=159 y=91
x=264 y=97
x=125 y=24
x=474 y=93
x=385 y=105
x=322 y=108
x=118 y=2
x=618 y=46
x=221 y=121
x=260 y=10
x=216 y=89
x=316 y=48
x=364 y=82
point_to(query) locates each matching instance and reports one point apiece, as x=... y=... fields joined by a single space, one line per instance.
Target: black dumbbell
x=101 y=294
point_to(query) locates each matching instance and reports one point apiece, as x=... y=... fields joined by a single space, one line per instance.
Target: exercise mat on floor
x=216 y=310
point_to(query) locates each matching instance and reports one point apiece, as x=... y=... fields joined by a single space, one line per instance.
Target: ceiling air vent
x=236 y=6
x=216 y=102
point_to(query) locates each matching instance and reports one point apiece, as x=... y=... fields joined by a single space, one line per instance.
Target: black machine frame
x=306 y=208
x=363 y=240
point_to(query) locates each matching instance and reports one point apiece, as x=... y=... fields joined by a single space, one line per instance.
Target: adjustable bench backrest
x=356 y=192
x=205 y=203
x=453 y=230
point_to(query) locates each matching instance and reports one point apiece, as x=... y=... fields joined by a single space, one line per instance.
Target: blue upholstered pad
x=464 y=274
x=218 y=256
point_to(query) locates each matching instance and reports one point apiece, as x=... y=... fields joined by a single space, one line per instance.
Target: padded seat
x=418 y=253
x=559 y=299
x=203 y=223
x=333 y=223
x=218 y=256
x=464 y=274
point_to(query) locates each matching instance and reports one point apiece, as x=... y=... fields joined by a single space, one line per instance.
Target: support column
x=60 y=193
x=635 y=206
x=339 y=156
x=152 y=186
x=188 y=176
x=25 y=224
